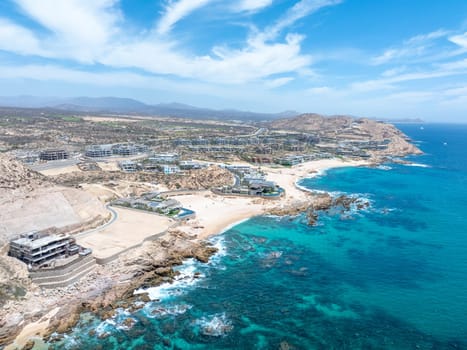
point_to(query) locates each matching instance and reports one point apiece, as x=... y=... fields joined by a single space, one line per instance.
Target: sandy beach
x=215 y=212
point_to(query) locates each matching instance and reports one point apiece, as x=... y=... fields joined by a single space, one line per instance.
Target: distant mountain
x=117 y=105
x=105 y=103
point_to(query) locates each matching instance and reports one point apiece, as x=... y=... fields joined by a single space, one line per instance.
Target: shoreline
x=217 y=214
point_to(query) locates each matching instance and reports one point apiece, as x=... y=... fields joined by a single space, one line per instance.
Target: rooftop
x=34 y=243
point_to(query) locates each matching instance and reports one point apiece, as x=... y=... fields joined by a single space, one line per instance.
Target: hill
x=345 y=129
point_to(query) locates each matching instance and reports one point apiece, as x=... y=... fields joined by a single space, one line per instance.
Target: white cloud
x=456 y=68
x=252 y=5
x=394 y=71
x=175 y=11
x=301 y=9
x=320 y=90
x=275 y=83
x=460 y=40
x=80 y=27
x=415 y=47
x=254 y=61
x=457 y=91
x=56 y=73
x=91 y=32
x=18 y=39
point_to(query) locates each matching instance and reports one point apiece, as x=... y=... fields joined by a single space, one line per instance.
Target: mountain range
x=118 y=105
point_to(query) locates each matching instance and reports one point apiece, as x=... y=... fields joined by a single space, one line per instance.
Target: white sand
x=214 y=212
x=287 y=177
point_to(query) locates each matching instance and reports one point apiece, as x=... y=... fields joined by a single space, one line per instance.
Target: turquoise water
x=393 y=276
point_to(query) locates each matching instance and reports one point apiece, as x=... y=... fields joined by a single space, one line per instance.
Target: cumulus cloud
x=80 y=28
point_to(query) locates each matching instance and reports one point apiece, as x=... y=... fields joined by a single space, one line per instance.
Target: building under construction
x=54 y=154
x=39 y=249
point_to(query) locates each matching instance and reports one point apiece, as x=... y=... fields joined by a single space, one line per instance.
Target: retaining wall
x=65 y=275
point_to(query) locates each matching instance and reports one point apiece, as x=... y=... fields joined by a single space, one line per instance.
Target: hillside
x=15 y=176
x=28 y=201
x=340 y=129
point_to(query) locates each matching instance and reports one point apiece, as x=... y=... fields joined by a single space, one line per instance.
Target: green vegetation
x=71 y=118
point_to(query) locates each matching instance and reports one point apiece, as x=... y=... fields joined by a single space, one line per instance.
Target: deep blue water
x=393 y=276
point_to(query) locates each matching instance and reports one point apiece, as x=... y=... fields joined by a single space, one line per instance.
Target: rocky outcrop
x=145 y=267
x=317 y=203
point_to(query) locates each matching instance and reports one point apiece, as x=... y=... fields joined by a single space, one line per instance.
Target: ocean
x=391 y=276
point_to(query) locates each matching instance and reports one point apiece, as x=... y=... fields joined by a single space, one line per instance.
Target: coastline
x=215 y=215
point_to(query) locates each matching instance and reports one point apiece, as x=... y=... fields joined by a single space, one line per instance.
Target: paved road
x=110 y=222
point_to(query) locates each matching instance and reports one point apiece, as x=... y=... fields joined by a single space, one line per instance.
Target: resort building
x=128 y=149
x=118 y=149
x=188 y=165
x=128 y=166
x=99 y=151
x=39 y=249
x=291 y=160
x=53 y=154
x=164 y=158
x=170 y=169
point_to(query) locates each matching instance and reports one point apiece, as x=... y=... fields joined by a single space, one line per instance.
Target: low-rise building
x=128 y=166
x=128 y=149
x=99 y=151
x=118 y=149
x=164 y=158
x=188 y=165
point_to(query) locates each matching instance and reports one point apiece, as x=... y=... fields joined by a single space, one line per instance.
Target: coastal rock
x=129 y=322
x=144 y=298
x=64 y=320
x=345 y=201
x=203 y=254
x=322 y=201
x=29 y=345
x=164 y=271
x=312 y=217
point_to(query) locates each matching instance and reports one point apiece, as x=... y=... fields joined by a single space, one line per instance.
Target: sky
x=385 y=59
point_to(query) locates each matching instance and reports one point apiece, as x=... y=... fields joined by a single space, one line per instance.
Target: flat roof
x=39 y=242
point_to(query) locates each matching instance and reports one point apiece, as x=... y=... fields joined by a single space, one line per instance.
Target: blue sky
x=386 y=58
